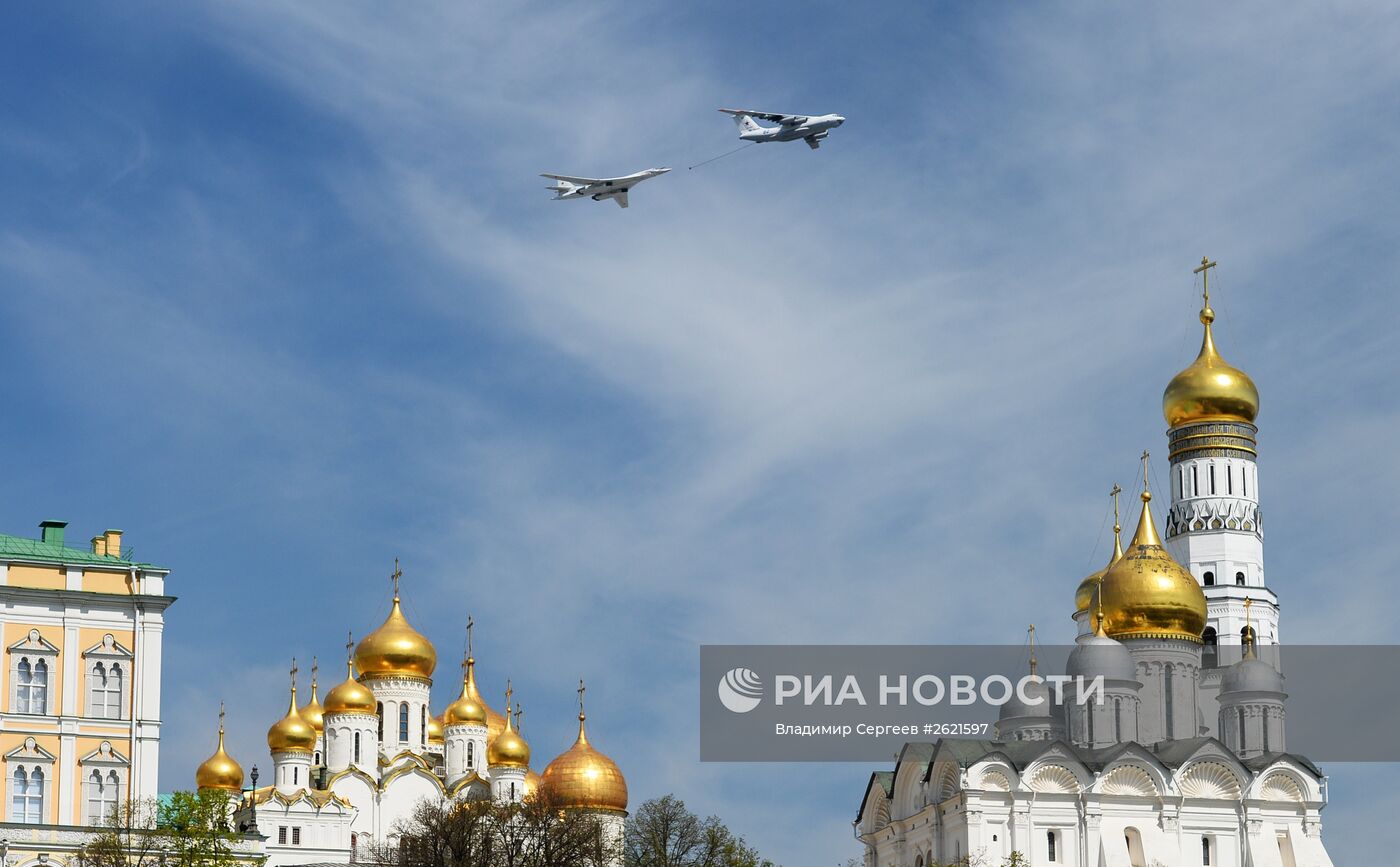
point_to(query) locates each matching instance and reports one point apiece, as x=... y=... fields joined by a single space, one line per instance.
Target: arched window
x=1195 y=483
x=1205 y=852
x=27 y=796
x=471 y=754
x=1239 y=746
x=403 y=723
x=1050 y=845
x=919 y=860
x=1239 y=578
x=1133 y=839
x=1118 y=720
x=1209 y=648
x=423 y=724
x=357 y=748
x=32 y=686
x=296 y=777
x=105 y=691
x=317 y=759
x=1167 y=690
x=379 y=709
x=1209 y=578
x=1212 y=478
x=102 y=796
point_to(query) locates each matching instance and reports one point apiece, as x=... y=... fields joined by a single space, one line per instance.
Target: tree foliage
x=187 y=830
x=663 y=832
x=484 y=833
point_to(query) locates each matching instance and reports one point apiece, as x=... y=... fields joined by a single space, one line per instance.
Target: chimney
x=51 y=532
x=99 y=545
x=114 y=542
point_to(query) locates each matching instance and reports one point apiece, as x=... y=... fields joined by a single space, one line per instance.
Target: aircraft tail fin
x=561 y=189
x=746 y=124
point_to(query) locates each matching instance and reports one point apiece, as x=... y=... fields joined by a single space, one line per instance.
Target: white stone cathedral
x=347 y=773
x=1184 y=761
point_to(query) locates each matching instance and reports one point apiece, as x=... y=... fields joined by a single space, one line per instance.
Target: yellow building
x=80 y=726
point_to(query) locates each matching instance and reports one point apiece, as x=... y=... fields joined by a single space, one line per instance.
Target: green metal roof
x=21 y=548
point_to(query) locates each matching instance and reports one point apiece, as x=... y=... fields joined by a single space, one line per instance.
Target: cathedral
x=347 y=772
x=1181 y=759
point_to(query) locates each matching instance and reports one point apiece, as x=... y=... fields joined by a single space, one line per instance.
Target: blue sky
x=282 y=296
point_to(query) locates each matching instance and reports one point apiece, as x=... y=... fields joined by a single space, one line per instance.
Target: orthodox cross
x=581 y=690
x=1114 y=494
x=398 y=573
x=1204 y=271
x=1030 y=631
x=1145 y=456
x=470 y=625
x=1248 y=627
x=315 y=667
x=349 y=645
x=221 y=717
x=294 y=673
x=510 y=691
x=519 y=715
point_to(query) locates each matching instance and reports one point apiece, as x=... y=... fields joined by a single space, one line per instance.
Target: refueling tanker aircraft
x=791 y=127
x=598 y=189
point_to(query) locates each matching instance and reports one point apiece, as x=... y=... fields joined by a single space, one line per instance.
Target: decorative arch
x=994 y=780
x=1282 y=786
x=1128 y=780
x=1208 y=779
x=1054 y=779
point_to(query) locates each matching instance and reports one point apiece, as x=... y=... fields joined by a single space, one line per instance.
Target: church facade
x=1182 y=759
x=347 y=772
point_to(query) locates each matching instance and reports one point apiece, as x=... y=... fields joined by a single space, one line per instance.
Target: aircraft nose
x=840 y=120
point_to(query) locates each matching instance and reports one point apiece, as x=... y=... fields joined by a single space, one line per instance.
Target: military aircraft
x=791 y=127
x=598 y=189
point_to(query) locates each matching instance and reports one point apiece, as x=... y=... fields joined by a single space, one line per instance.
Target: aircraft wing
x=621 y=199
x=784 y=119
x=577 y=180
x=812 y=142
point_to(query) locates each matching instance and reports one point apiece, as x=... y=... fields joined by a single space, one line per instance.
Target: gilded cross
x=519 y=715
x=294 y=672
x=1030 y=632
x=470 y=625
x=315 y=667
x=1145 y=456
x=510 y=691
x=221 y=717
x=1204 y=271
x=349 y=645
x=1114 y=494
x=581 y=690
x=398 y=573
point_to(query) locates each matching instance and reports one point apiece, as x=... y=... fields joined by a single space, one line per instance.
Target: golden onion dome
x=1210 y=389
x=351 y=696
x=435 y=733
x=219 y=771
x=1147 y=594
x=396 y=649
x=508 y=749
x=291 y=733
x=312 y=711
x=468 y=709
x=582 y=777
x=532 y=783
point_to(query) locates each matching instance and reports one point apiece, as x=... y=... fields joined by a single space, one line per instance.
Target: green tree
x=189 y=829
x=663 y=832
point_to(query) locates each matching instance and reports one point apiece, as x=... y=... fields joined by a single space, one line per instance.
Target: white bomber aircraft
x=598 y=189
x=791 y=127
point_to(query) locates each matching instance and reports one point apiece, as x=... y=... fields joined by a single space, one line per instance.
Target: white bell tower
x=1214 y=526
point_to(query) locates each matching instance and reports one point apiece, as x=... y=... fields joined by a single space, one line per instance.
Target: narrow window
x=1089 y=716
x=1209 y=648
x=296 y=836
x=1209 y=578
x=317 y=760
x=94 y=797
x=1118 y=720
x=1212 y=478
x=1205 y=851
x=1239 y=578
x=296 y=778
x=40 y=697
x=1195 y=482
x=282 y=835
x=471 y=754
x=1265 y=722
x=379 y=709
x=403 y=723
x=1050 y=845
x=24 y=678
x=423 y=724
x=1229 y=480
x=1167 y=697
x=357 y=748
x=512 y=791
x=1244 y=480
